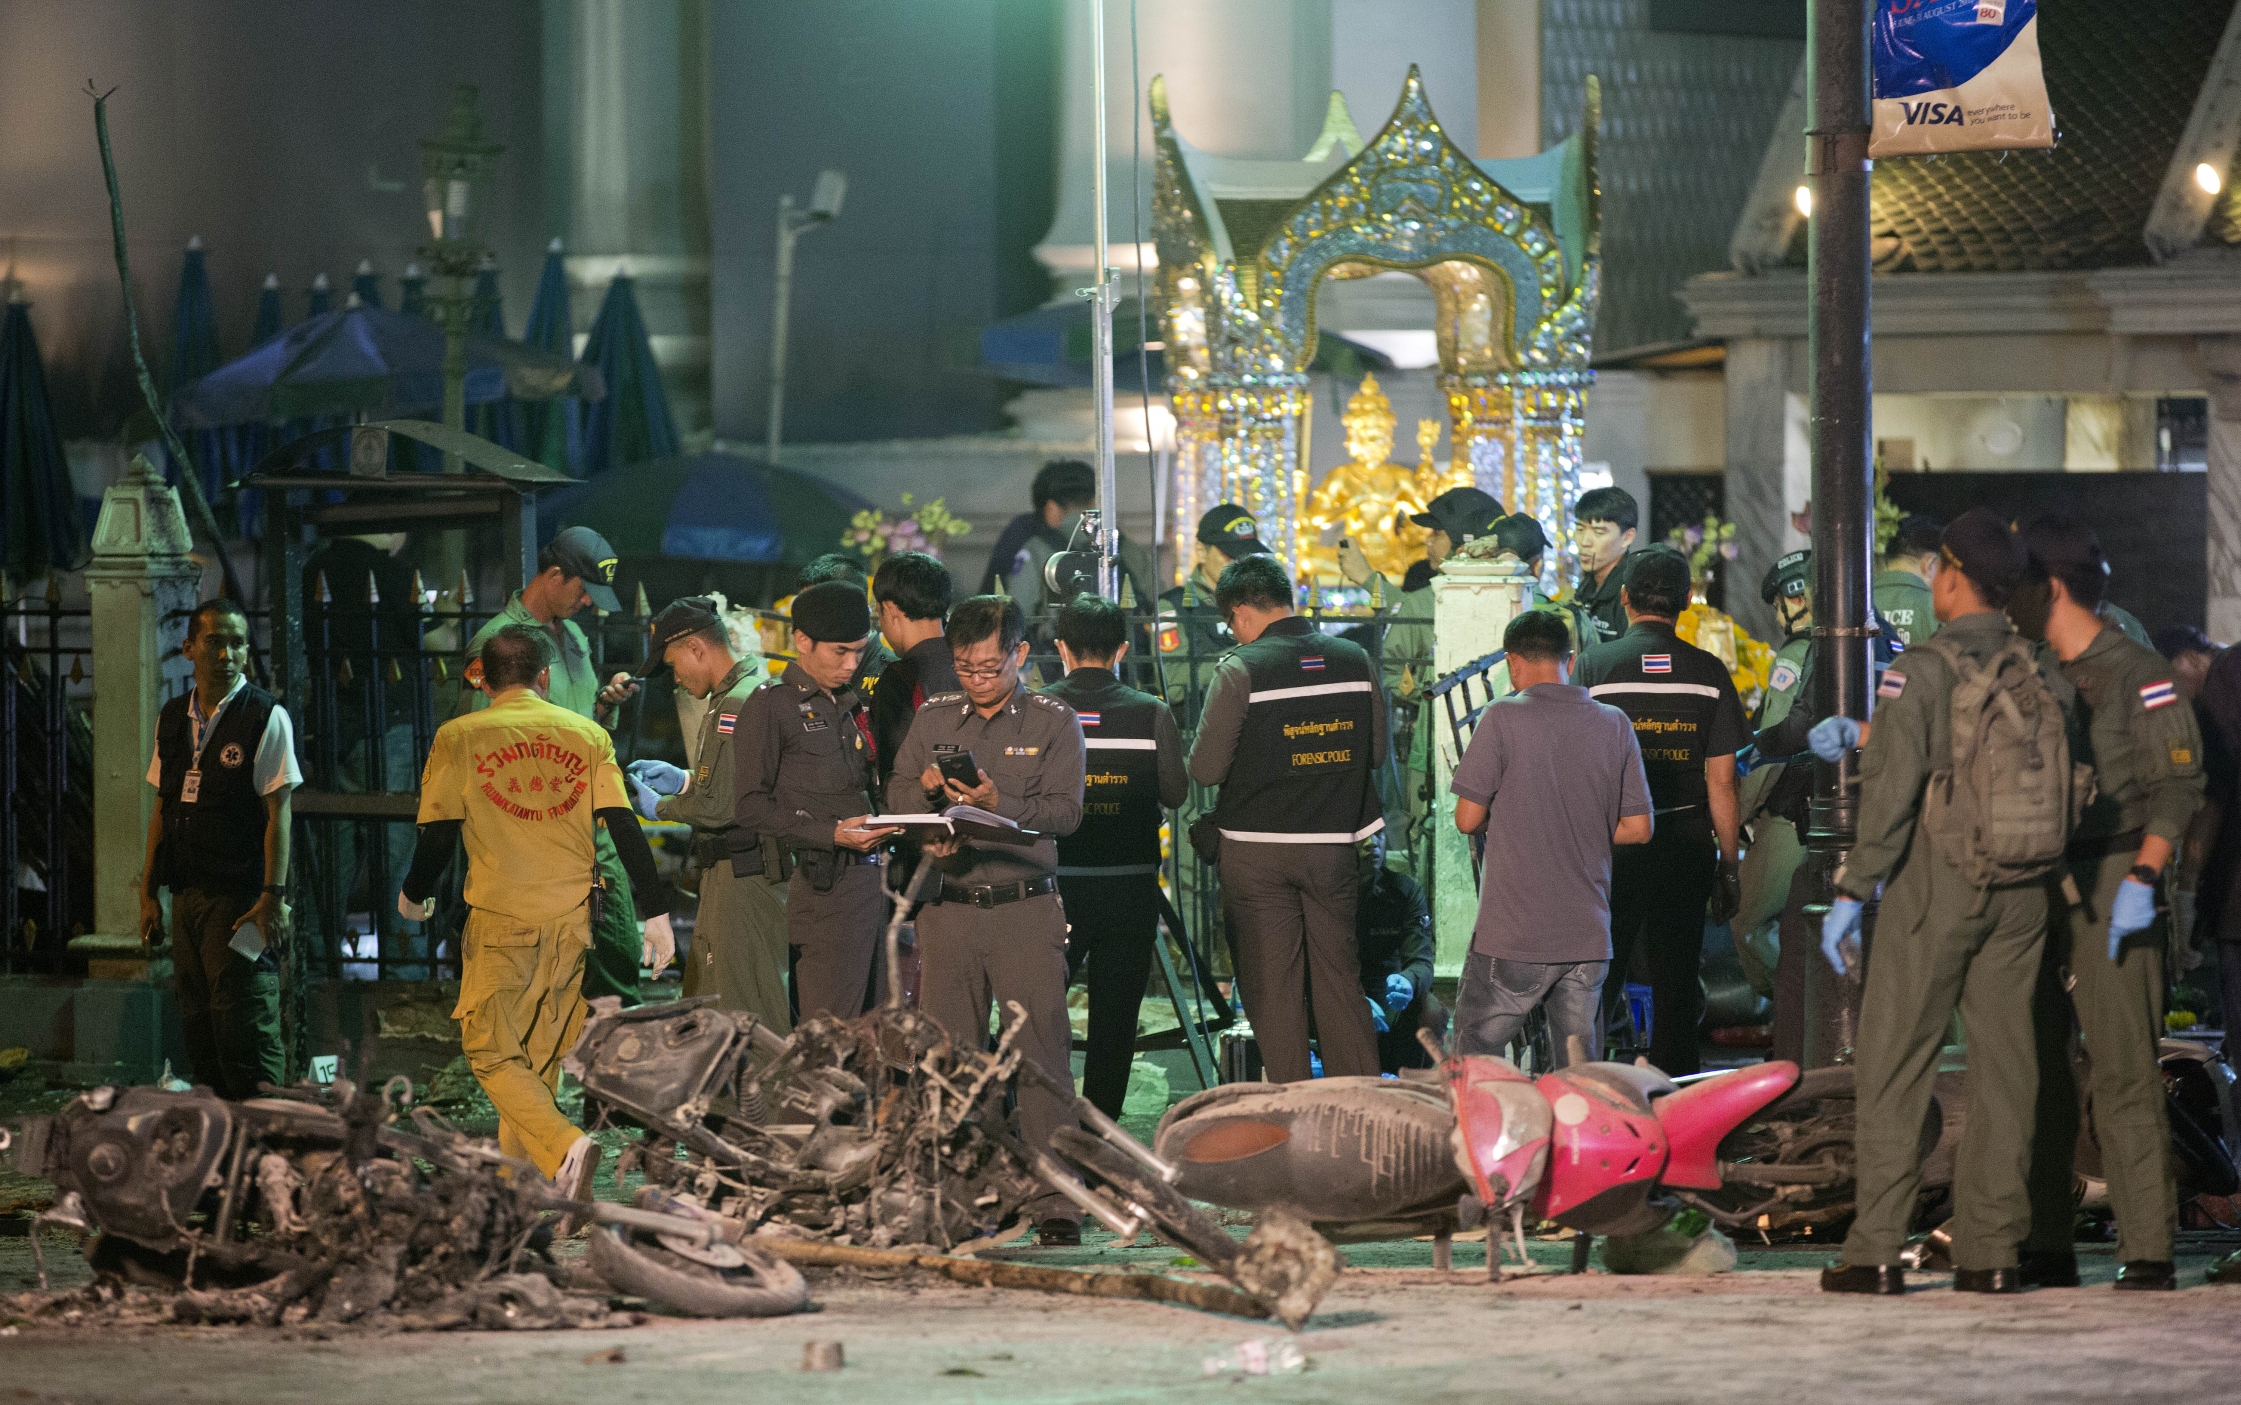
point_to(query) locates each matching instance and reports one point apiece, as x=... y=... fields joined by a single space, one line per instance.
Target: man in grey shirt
x=1554 y=779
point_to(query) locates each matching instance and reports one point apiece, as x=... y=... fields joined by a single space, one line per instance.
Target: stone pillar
x=140 y=580
x=1757 y=493
x=2221 y=365
x=1473 y=601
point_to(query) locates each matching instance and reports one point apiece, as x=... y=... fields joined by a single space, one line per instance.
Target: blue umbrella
x=194 y=354
x=553 y=428
x=632 y=425
x=362 y=360
x=39 y=520
x=366 y=284
x=269 y=317
x=501 y=422
x=708 y=507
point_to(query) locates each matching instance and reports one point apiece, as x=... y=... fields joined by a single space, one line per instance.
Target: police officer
x=224 y=766
x=1456 y=518
x=739 y=935
x=1689 y=723
x=802 y=785
x=1902 y=587
x=1192 y=636
x=1606 y=520
x=1294 y=727
x=1393 y=940
x=2146 y=751
x=1520 y=534
x=577 y=568
x=526 y=784
x=1942 y=942
x=995 y=931
x=1773 y=800
x=912 y=592
x=1108 y=870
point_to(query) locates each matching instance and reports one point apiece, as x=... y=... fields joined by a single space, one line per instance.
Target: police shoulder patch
x=1893 y=684
x=1783 y=676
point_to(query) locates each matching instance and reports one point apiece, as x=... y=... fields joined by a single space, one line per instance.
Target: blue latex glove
x=658 y=776
x=1399 y=991
x=642 y=796
x=1377 y=1017
x=1841 y=926
x=2133 y=911
x=1831 y=737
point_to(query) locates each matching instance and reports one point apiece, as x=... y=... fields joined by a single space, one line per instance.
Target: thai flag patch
x=1312 y=664
x=1089 y=719
x=1893 y=684
x=2156 y=695
x=1657 y=663
x=725 y=721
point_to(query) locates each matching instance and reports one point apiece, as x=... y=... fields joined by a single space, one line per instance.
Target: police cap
x=1462 y=513
x=584 y=554
x=1520 y=534
x=1231 y=528
x=679 y=619
x=833 y=612
x=1788 y=576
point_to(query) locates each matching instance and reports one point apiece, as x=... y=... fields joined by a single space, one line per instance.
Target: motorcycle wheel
x=1178 y=1221
x=632 y=1263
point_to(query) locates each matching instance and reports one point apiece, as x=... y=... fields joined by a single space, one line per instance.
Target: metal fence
x=46 y=777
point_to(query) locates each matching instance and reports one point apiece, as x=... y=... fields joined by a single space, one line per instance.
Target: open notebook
x=965 y=821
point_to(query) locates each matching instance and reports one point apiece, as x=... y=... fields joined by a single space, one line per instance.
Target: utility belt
x=2093 y=850
x=822 y=867
x=996 y=894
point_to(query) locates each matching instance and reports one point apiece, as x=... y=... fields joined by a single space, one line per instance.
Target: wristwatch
x=278 y=890
x=2142 y=874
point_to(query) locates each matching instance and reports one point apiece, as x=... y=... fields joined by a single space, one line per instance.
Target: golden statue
x=1368 y=498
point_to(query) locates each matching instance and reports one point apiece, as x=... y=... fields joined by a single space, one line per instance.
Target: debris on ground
x=1262 y=1356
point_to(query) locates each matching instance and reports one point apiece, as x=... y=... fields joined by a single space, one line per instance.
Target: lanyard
x=209 y=725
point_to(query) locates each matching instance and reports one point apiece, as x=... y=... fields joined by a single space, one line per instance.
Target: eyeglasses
x=993 y=670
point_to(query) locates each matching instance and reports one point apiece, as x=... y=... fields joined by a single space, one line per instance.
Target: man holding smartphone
x=802 y=768
x=995 y=930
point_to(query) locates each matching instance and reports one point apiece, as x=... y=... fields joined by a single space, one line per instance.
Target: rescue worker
x=912 y=592
x=1606 y=520
x=1943 y=942
x=223 y=769
x=1294 y=729
x=995 y=929
x=1902 y=586
x=577 y=568
x=1108 y=870
x=524 y=784
x=739 y=933
x=802 y=776
x=1393 y=941
x=2145 y=748
x=1689 y=724
x=1773 y=802
x=1192 y=637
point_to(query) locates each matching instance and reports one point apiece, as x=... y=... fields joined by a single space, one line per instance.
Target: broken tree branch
x=1149 y=1287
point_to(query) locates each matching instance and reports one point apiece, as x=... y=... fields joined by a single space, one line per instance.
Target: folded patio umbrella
x=632 y=425
x=39 y=521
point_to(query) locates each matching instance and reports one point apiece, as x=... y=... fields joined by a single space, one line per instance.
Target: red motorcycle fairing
x=1501 y=1129
x=1605 y=1138
x=1699 y=1117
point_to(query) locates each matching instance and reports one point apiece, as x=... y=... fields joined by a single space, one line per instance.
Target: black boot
x=1882 y=1280
x=2049 y=1268
x=1988 y=1280
x=2147 y=1276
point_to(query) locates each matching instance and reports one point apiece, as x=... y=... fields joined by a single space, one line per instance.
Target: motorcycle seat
x=1631 y=1085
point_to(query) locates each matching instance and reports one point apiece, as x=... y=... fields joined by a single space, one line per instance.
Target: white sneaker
x=578 y=1170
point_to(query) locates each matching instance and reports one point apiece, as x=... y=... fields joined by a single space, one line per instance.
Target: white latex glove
x=412 y=911
x=658 y=944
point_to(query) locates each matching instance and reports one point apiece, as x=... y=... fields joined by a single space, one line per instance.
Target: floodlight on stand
x=831 y=189
x=824 y=207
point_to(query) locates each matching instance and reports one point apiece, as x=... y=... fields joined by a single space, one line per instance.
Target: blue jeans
x=1497 y=994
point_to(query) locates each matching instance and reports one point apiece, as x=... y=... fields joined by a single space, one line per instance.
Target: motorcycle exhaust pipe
x=1105 y=1127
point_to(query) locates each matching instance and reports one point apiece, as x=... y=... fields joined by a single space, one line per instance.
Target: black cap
x=690 y=615
x=1231 y=528
x=583 y=553
x=1988 y=552
x=833 y=612
x=1462 y=513
x=1788 y=576
x=1520 y=533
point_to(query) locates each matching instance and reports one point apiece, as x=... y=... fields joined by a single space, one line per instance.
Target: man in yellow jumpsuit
x=526 y=784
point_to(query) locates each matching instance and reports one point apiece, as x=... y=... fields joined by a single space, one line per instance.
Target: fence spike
x=342 y=674
x=77 y=668
x=326 y=596
x=54 y=588
x=466 y=591
x=396 y=670
x=373 y=589
x=645 y=611
x=419 y=592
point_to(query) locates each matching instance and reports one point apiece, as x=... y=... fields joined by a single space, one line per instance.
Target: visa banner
x=1958 y=75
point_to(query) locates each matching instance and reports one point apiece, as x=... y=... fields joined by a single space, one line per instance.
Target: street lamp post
x=824 y=207
x=1838 y=335
x=455 y=173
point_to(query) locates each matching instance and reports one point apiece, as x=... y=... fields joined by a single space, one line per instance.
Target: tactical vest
x=1119 y=833
x=216 y=842
x=1302 y=772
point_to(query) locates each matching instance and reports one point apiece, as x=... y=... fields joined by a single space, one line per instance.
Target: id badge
x=190 y=787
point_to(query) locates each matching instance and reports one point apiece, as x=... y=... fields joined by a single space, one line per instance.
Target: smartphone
x=959 y=766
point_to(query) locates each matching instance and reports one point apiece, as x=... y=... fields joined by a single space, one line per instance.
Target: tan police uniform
x=524 y=776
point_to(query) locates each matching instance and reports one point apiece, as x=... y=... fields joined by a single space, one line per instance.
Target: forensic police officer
x=1944 y=941
x=802 y=785
x=1108 y=870
x=1689 y=723
x=2145 y=748
x=1902 y=587
x=739 y=935
x=1294 y=728
x=1192 y=636
x=995 y=930
x=577 y=568
x=224 y=766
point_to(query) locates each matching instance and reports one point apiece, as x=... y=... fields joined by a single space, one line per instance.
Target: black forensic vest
x=1302 y=773
x=1120 y=785
x=218 y=841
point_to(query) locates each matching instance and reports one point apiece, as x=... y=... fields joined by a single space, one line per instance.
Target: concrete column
x=1472 y=603
x=626 y=150
x=1757 y=458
